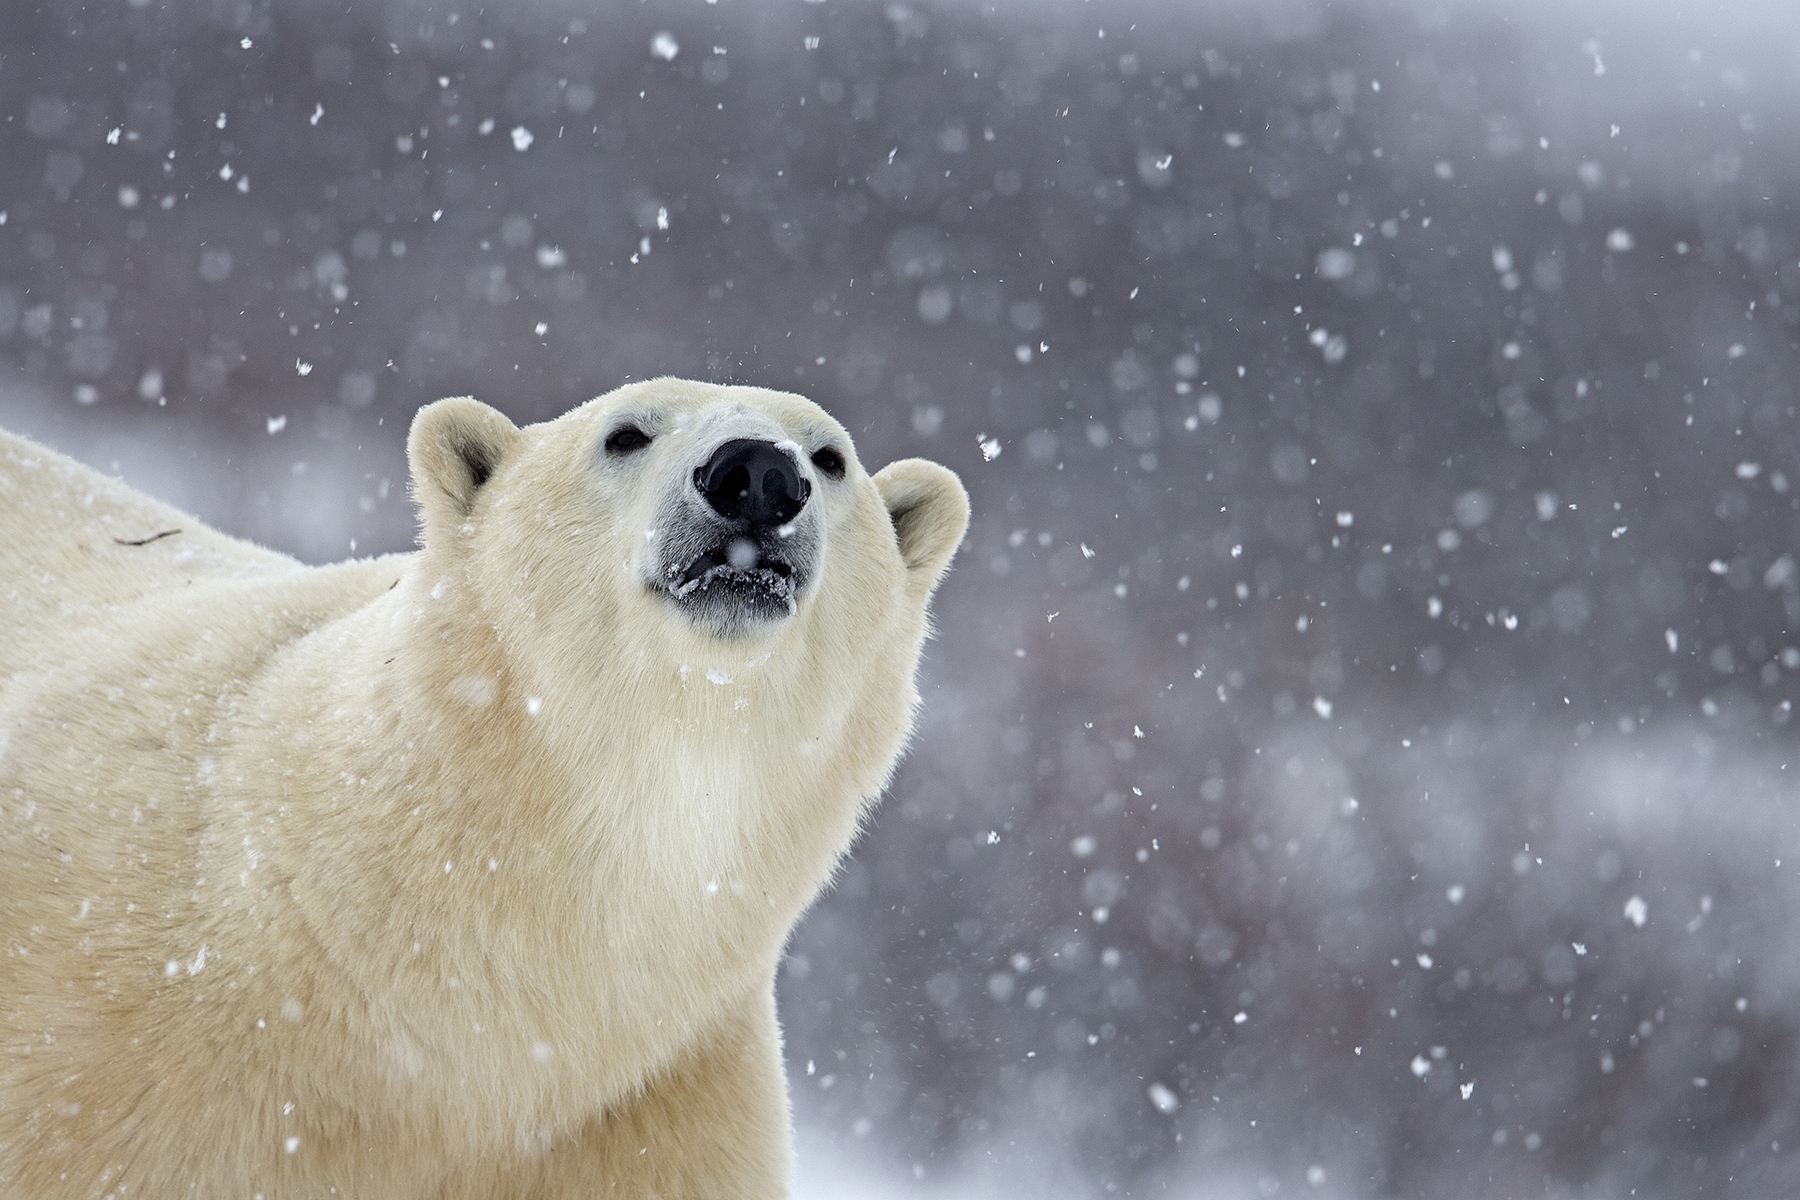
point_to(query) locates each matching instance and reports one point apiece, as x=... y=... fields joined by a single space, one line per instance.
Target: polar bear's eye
x=626 y=439
x=829 y=462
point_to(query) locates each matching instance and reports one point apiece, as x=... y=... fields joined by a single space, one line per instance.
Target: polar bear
x=453 y=874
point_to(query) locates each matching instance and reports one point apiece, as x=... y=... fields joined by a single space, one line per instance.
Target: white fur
x=460 y=873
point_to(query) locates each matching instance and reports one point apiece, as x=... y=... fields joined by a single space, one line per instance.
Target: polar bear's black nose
x=753 y=481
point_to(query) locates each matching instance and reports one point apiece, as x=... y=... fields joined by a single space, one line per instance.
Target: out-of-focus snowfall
x=1355 y=754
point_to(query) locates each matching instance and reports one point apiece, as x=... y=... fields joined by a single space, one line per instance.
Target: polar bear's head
x=687 y=513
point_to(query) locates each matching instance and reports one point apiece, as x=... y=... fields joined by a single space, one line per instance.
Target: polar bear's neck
x=547 y=891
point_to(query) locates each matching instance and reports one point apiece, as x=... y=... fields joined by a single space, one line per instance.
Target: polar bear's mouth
x=736 y=579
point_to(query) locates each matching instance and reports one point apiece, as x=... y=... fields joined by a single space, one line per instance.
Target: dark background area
x=1356 y=752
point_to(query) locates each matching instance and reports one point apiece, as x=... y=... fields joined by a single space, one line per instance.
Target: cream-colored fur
x=460 y=873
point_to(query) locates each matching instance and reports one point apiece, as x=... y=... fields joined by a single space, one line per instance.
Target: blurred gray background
x=1356 y=752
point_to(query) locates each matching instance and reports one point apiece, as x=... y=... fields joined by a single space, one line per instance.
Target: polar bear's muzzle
x=740 y=545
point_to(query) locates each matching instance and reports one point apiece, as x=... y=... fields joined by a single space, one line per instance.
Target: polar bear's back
x=74 y=543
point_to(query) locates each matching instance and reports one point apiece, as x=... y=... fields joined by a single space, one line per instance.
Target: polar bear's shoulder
x=74 y=541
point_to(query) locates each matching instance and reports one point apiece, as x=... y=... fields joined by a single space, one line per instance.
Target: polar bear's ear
x=454 y=448
x=930 y=511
